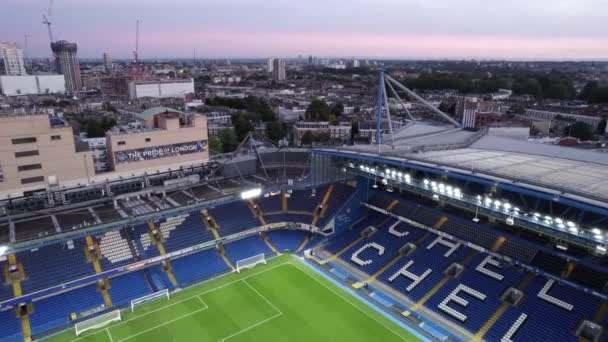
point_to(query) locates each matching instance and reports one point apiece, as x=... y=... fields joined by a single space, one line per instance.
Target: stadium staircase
x=322 y=207
x=15 y=281
x=93 y=254
x=221 y=249
x=284 y=203
x=211 y=224
x=157 y=240
x=303 y=243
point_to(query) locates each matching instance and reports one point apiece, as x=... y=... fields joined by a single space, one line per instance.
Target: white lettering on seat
x=555 y=301
x=453 y=297
x=448 y=243
x=513 y=329
x=416 y=279
x=395 y=232
x=491 y=261
x=355 y=257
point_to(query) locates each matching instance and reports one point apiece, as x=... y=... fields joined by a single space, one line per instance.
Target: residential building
x=340 y=132
x=107 y=62
x=278 y=70
x=270 y=64
x=67 y=64
x=14 y=65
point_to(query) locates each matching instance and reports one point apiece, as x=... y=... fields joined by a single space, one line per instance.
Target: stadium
x=441 y=234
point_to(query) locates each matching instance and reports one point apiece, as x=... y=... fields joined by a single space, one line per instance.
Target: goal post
x=148 y=298
x=97 y=322
x=250 y=262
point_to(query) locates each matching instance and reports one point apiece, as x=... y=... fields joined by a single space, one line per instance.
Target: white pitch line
x=251 y=327
x=349 y=302
x=264 y=298
x=163 y=324
x=110 y=335
x=186 y=299
x=279 y=313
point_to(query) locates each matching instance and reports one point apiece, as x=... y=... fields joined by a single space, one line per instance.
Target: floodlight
x=441 y=186
x=561 y=226
x=497 y=203
x=507 y=206
x=361 y=167
x=435 y=197
x=3 y=250
x=558 y=220
x=400 y=174
x=596 y=231
x=387 y=171
x=426 y=182
x=516 y=209
x=434 y=184
x=251 y=193
x=598 y=237
x=601 y=249
x=570 y=224
x=536 y=214
x=573 y=229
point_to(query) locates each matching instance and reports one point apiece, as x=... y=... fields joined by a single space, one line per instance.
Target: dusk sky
x=513 y=29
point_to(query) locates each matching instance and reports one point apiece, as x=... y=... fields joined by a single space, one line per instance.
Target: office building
x=170 y=138
x=67 y=64
x=278 y=70
x=39 y=152
x=107 y=62
x=12 y=56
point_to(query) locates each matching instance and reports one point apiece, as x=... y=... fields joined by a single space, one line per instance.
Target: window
x=29 y=167
x=26 y=153
x=55 y=137
x=29 y=140
x=148 y=139
x=122 y=143
x=32 y=180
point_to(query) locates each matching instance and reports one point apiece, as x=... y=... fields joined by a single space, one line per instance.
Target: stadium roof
x=576 y=173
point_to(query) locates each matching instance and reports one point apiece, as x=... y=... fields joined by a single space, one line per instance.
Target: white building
x=158 y=88
x=270 y=64
x=278 y=70
x=32 y=85
x=14 y=64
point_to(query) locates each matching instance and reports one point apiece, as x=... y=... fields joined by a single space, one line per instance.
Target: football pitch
x=281 y=301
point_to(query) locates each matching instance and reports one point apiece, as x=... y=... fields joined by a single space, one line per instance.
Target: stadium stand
x=286 y=240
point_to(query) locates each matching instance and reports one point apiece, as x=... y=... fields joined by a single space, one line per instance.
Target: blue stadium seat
x=286 y=240
x=245 y=248
x=198 y=266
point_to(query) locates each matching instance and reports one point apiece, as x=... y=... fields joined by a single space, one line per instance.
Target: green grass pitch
x=281 y=301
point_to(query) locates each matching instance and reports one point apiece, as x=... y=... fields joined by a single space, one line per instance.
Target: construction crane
x=136 y=51
x=47 y=22
x=137 y=70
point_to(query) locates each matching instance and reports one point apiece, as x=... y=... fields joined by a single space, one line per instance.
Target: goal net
x=250 y=262
x=151 y=297
x=97 y=322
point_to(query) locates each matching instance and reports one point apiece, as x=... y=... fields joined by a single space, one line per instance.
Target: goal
x=151 y=297
x=97 y=322
x=250 y=262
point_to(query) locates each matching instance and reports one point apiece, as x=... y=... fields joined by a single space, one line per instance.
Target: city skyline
x=551 y=30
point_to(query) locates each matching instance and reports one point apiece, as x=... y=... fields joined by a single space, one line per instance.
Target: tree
x=307 y=138
x=323 y=137
x=579 y=130
x=354 y=130
x=243 y=124
x=318 y=110
x=228 y=140
x=337 y=109
x=588 y=90
x=601 y=126
x=518 y=108
x=215 y=145
x=275 y=131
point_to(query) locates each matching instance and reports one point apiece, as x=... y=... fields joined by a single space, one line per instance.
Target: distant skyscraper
x=270 y=64
x=107 y=62
x=67 y=64
x=278 y=70
x=13 y=59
